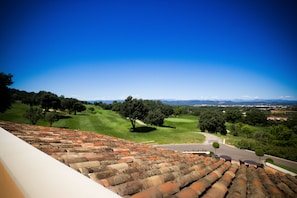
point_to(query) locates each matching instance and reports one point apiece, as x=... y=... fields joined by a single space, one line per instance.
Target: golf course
x=182 y=129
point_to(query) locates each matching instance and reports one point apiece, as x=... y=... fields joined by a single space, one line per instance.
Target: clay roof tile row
x=139 y=170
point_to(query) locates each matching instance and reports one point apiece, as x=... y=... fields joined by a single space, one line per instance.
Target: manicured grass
x=176 y=130
x=181 y=119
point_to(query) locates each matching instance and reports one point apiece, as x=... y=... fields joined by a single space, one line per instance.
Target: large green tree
x=78 y=107
x=155 y=117
x=157 y=112
x=133 y=109
x=5 y=94
x=72 y=105
x=212 y=121
x=49 y=100
x=256 y=117
x=30 y=99
x=233 y=115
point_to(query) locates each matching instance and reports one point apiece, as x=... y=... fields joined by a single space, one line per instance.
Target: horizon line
x=239 y=99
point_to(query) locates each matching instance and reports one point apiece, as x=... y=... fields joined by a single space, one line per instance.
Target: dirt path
x=209 y=138
x=140 y=122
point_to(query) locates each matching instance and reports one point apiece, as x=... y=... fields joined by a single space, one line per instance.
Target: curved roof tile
x=139 y=170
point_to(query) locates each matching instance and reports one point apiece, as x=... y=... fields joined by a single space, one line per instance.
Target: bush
x=246 y=131
x=52 y=117
x=259 y=152
x=92 y=110
x=215 y=145
x=269 y=160
x=246 y=144
x=33 y=114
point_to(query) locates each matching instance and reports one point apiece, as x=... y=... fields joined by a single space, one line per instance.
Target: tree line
x=47 y=100
x=45 y=105
x=39 y=103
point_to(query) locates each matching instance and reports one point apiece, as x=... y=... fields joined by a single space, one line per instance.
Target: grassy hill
x=176 y=130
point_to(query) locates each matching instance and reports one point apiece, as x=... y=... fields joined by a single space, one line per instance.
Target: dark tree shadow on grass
x=82 y=114
x=143 y=129
x=172 y=127
x=64 y=116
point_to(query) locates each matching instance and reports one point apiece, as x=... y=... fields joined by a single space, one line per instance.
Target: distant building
x=277 y=118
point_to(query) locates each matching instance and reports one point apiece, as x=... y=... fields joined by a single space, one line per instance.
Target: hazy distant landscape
x=238 y=102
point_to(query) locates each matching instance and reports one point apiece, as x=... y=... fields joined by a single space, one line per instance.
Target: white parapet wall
x=280 y=169
x=36 y=174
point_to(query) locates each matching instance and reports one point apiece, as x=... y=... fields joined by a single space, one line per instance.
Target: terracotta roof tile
x=239 y=185
x=128 y=188
x=139 y=170
x=168 y=189
x=269 y=185
x=255 y=187
x=149 y=193
x=220 y=188
x=84 y=164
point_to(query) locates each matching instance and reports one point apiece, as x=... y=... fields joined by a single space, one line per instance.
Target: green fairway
x=181 y=119
x=175 y=130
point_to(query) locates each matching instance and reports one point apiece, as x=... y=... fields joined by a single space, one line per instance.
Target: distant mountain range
x=217 y=102
x=229 y=102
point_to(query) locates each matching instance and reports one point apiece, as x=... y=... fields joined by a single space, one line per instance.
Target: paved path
x=235 y=153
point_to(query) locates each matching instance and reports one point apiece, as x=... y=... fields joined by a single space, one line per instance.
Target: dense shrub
x=246 y=144
x=269 y=160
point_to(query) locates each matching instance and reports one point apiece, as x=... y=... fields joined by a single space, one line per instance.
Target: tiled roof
x=139 y=170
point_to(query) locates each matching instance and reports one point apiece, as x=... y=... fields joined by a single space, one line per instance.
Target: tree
x=5 y=94
x=133 y=109
x=259 y=152
x=33 y=114
x=212 y=121
x=177 y=111
x=256 y=117
x=72 y=105
x=92 y=109
x=52 y=117
x=116 y=106
x=155 y=117
x=233 y=116
x=30 y=99
x=49 y=100
x=236 y=128
x=292 y=121
x=167 y=110
x=280 y=134
x=68 y=103
x=157 y=112
x=78 y=107
x=215 y=145
x=246 y=131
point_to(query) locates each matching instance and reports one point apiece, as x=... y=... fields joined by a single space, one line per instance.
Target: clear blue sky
x=154 y=49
